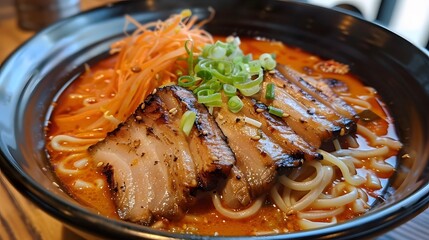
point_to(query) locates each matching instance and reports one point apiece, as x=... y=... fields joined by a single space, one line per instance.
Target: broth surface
x=203 y=218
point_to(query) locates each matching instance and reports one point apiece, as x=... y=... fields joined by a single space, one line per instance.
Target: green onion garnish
x=187 y=121
x=275 y=111
x=205 y=75
x=235 y=104
x=267 y=61
x=229 y=90
x=186 y=81
x=208 y=96
x=222 y=66
x=269 y=93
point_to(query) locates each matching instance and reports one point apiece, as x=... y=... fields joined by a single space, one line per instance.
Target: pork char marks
x=152 y=167
x=261 y=152
x=309 y=117
x=322 y=93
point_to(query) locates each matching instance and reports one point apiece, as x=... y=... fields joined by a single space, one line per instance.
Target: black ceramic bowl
x=39 y=69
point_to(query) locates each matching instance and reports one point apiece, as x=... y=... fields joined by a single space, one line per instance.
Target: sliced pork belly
x=279 y=131
x=258 y=157
x=322 y=92
x=153 y=168
x=312 y=105
x=210 y=151
x=305 y=123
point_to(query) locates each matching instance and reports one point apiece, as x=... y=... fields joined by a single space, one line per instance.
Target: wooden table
x=20 y=219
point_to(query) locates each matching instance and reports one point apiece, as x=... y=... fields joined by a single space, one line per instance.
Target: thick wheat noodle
x=309 y=197
x=320 y=214
x=381 y=166
x=357 y=101
x=336 y=201
x=354 y=180
x=257 y=204
x=82 y=143
x=376 y=140
x=307 y=224
x=61 y=168
x=278 y=200
x=304 y=185
x=362 y=154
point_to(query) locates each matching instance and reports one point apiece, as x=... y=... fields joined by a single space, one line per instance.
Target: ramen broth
x=88 y=185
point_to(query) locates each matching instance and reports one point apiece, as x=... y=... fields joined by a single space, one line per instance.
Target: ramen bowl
x=32 y=77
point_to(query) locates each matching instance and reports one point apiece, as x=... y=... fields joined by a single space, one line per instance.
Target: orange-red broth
x=210 y=222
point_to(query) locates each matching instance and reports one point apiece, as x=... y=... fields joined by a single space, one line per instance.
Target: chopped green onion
x=275 y=111
x=205 y=75
x=235 y=104
x=250 y=91
x=207 y=96
x=213 y=84
x=187 y=121
x=254 y=66
x=267 y=61
x=229 y=90
x=222 y=66
x=186 y=81
x=190 y=56
x=251 y=83
x=269 y=93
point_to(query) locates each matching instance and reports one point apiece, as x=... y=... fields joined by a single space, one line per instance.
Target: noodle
x=307 y=224
x=355 y=180
x=376 y=152
x=237 y=214
x=68 y=144
x=320 y=214
x=377 y=141
x=298 y=205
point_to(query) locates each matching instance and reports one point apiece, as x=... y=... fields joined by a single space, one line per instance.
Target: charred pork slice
x=313 y=128
x=258 y=158
x=277 y=129
x=153 y=167
x=322 y=92
x=312 y=105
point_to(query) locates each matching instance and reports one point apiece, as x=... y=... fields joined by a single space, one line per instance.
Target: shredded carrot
x=146 y=59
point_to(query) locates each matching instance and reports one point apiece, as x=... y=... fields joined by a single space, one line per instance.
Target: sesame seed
x=256 y=137
x=173 y=111
x=136 y=69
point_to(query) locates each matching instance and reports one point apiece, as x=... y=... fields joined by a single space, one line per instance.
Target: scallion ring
x=235 y=104
x=267 y=61
x=187 y=121
x=229 y=90
x=186 y=81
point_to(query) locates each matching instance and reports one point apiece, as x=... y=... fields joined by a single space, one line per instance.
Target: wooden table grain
x=20 y=219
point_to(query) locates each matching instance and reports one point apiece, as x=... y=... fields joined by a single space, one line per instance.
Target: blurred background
x=408 y=18
x=19 y=19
